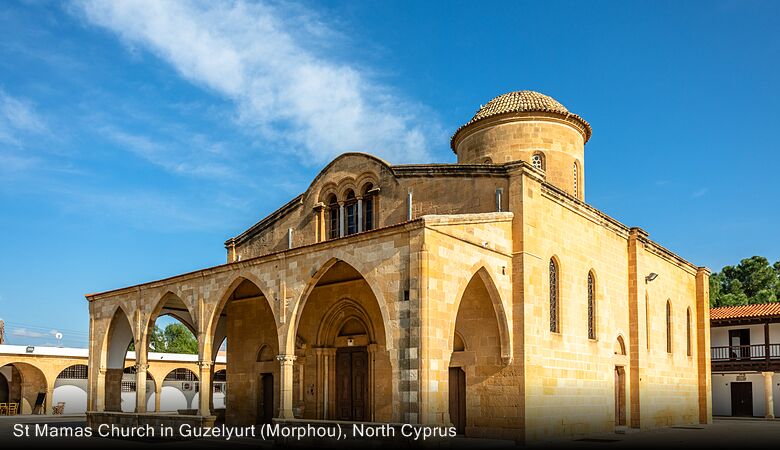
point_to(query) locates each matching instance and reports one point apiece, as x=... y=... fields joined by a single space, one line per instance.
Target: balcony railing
x=745 y=356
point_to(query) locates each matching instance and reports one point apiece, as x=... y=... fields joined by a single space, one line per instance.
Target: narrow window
x=350 y=210
x=368 y=207
x=554 y=317
x=576 y=181
x=688 y=331
x=591 y=307
x=333 y=217
x=647 y=320
x=537 y=161
x=668 y=327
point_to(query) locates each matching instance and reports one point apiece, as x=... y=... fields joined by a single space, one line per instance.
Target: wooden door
x=457 y=386
x=742 y=399
x=352 y=383
x=620 y=397
x=265 y=404
x=737 y=340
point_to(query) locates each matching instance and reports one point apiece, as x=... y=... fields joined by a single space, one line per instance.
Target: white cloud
x=283 y=85
x=173 y=156
x=700 y=192
x=24 y=332
x=17 y=116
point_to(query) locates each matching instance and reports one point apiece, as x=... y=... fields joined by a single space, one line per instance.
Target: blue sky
x=136 y=137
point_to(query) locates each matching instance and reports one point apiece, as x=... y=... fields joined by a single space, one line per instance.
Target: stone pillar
x=49 y=399
x=321 y=229
x=360 y=214
x=636 y=352
x=768 y=397
x=204 y=377
x=703 y=344
x=157 y=395
x=113 y=382
x=341 y=219
x=372 y=349
x=100 y=390
x=140 y=385
x=287 y=363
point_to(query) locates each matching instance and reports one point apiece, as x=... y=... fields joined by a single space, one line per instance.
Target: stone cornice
x=571 y=120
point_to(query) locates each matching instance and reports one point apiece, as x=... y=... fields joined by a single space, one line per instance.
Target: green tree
x=751 y=281
x=179 y=339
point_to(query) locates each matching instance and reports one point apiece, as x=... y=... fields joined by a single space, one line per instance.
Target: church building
x=484 y=294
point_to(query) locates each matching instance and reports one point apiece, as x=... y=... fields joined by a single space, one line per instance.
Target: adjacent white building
x=745 y=349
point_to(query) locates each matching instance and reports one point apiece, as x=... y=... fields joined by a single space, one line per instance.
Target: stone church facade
x=486 y=294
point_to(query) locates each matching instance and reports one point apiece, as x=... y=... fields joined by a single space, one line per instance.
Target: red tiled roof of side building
x=745 y=311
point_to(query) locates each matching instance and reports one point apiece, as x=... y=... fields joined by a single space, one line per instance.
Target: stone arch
x=170 y=300
x=341 y=315
x=119 y=335
x=300 y=303
x=505 y=336
x=620 y=346
x=265 y=354
x=213 y=323
x=344 y=310
x=364 y=180
x=246 y=317
x=345 y=185
x=327 y=189
x=474 y=371
x=26 y=383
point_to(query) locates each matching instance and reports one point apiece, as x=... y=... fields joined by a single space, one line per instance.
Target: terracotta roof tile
x=736 y=312
x=524 y=101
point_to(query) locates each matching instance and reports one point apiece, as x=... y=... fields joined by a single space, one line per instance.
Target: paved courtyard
x=723 y=433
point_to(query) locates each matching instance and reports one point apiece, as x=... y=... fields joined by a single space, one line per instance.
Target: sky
x=137 y=136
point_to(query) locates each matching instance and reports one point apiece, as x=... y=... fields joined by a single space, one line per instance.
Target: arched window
x=537 y=161
x=591 y=306
x=350 y=211
x=647 y=320
x=576 y=181
x=333 y=217
x=554 y=291
x=368 y=207
x=668 y=326
x=688 y=331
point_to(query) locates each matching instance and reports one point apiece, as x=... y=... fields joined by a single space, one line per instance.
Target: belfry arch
x=342 y=366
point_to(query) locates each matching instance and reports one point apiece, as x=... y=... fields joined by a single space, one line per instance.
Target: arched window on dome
x=555 y=325
x=333 y=217
x=537 y=161
x=350 y=212
x=576 y=180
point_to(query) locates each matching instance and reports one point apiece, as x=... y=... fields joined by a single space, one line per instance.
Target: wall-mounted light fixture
x=651 y=277
x=30 y=349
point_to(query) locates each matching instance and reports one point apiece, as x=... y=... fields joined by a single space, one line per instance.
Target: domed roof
x=524 y=101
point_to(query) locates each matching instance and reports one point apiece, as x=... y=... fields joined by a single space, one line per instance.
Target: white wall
x=73 y=392
x=719 y=336
x=721 y=393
